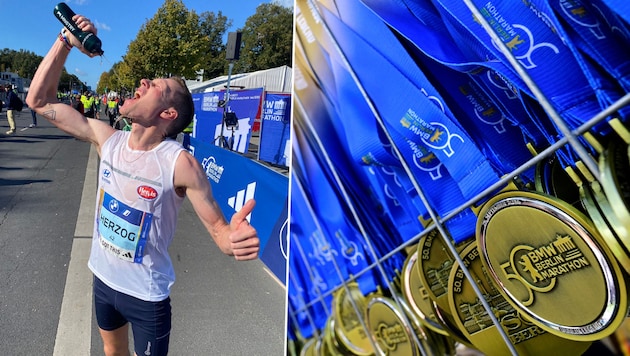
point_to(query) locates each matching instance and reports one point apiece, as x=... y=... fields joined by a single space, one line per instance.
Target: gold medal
x=392 y=335
x=348 y=327
x=317 y=349
x=412 y=290
x=336 y=343
x=543 y=252
x=324 y=347
x=423 y=307
x=434 y=266
x=606 y=222
x=309 y=347
x=473 y=319
x=328 y=346
x=431 y=343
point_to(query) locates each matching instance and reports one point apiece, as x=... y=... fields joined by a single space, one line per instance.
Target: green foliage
x=169 y=44
x=214 y=28
x=68 y=82
x=178 y=41
x=118 y=79
x=23 y=63
x=266 y=39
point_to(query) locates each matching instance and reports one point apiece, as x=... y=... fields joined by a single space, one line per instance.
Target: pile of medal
x=460 y=177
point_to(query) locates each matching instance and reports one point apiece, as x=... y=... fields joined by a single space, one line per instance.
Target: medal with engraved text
x=473 y=319
x=425 y=308
x=434 y=266
x=392 y=335
x=552 y=264
x=414 y=292
x=348 y=328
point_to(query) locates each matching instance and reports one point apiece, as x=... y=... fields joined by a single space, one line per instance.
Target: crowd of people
x=90 y=105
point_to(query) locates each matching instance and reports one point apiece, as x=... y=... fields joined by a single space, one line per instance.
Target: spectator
x=10 y=110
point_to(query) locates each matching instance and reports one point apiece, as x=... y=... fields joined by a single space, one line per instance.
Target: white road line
x=74 y=331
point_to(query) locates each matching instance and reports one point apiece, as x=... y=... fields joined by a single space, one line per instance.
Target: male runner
x=143 y=180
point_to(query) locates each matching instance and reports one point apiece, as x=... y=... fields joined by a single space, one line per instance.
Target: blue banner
x=236 y=179
x=275 y=129
x=208 y=117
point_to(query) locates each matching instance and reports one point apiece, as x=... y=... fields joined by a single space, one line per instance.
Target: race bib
x=122 y=230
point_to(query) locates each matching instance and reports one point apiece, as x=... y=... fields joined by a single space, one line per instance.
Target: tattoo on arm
x=50 y=114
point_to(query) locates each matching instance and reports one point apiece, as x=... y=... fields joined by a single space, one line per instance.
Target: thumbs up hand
x=243 y=237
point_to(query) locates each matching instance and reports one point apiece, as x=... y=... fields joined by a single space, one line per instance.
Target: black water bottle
x=89 y=40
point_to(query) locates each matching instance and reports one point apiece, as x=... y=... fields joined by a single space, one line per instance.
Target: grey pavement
x=220 y=306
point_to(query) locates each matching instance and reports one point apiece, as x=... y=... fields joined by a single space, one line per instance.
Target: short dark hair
x=183 y=103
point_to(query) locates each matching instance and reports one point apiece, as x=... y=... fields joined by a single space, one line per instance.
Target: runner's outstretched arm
x=43 y=91
x=237 y=238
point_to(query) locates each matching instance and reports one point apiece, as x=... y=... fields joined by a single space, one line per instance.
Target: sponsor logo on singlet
x=147 y=192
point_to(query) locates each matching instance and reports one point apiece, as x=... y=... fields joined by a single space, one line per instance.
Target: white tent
x=273 y=80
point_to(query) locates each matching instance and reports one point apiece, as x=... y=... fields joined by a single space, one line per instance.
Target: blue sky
x=31 y=25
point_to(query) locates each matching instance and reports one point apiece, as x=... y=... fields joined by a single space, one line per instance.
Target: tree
x=214 y=28
x=119 y=78
x=23 y=63
x=104 y=83
x=168 y=44
x=69 y=82
x=267 y=39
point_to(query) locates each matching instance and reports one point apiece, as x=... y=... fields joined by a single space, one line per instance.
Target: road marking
x=74 y=332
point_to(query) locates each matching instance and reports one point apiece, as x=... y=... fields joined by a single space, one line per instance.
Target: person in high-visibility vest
x=112 y=107
x=89 y=105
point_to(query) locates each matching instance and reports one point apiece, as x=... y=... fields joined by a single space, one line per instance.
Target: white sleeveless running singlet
x=136 y=217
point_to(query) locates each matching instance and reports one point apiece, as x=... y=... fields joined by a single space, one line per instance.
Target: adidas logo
x=127 y=255
x=237 y=201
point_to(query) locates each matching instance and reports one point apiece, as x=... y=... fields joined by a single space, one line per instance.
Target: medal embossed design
x=348 y=327
x=552 y=265
x=434 y=266
x=414 y=292
x=392 y=335
x=615 y=234
x=473 y=319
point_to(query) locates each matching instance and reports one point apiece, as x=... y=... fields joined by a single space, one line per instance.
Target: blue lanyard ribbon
x=547 y=60
x=352 y=173
x=412 y=108
x=313 y=274
x=620 y=8
x=420 y=24
x=597 y=50
x=326 y=204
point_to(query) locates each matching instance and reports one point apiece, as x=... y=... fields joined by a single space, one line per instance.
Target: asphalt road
x=47 y=185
